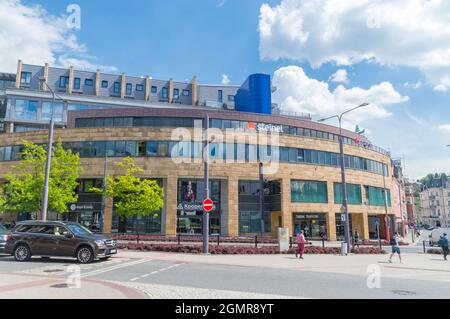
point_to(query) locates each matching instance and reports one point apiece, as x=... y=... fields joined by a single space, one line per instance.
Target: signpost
x=208 y=205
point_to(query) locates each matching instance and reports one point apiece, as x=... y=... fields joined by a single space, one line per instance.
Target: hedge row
x=190 y=238
x=242 y=250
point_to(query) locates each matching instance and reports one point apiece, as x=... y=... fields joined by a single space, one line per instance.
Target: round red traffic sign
x=208 y=205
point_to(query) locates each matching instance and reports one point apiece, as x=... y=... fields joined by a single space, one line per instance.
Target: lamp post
x=49 y=154
x=343 y=182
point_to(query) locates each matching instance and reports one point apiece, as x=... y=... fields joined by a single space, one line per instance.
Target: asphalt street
x=176 y=279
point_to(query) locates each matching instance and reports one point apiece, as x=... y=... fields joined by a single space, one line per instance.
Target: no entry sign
x=208 y=205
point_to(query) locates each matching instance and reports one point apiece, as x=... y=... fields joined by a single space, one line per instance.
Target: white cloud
x=415 y=86
x=225 y=79
x=413 y=33
x=31 y=34
x=299 y=93
x=441 y=88
x=221 y=3
x=340 y=76
x=445 y=128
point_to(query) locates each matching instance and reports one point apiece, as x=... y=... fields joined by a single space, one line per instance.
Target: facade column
x=286 y=213
x=171 y=200
x=18 y=74
x=170 y=91
x=233 y=206
x=331 y=226
x=107 y=220
x=122 y=85
x=71 y=79
x=194 y=92
x=44 y=87
x=147 y=88
x=97 y=83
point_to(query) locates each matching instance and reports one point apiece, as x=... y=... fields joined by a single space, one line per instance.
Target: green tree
x=24 y=186
x=133 y=196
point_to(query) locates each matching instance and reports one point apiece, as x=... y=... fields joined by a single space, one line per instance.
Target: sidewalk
x=415 y=266
x=27 y=286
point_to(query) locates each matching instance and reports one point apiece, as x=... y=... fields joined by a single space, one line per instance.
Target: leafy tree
x=132 y=195
x=25 y=184
x=434 y=180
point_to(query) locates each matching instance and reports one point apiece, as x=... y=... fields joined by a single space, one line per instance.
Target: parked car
x=436 y=234
x=4 y=235
x=58 y=239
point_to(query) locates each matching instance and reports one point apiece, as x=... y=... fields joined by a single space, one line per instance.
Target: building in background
x=101 y=114
x=435 y=203
x=399 y=198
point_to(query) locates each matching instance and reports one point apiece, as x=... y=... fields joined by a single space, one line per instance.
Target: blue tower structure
x=255 y=95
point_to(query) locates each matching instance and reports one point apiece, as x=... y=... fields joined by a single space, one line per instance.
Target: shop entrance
x=313 y=225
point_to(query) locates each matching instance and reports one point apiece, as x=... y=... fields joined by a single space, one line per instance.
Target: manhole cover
x=60 y=286
x=53 y=270
x=403 y=292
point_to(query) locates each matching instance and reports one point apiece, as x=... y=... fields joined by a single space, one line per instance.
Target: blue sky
x=209 y=38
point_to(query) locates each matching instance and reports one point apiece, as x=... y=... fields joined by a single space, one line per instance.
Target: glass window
x=116 y=87
x=120 y=149
x=109 y=122
x=26 y=110
x=226 y=124
x=139 y=87
x=354 y=196
x=76 y=83
x=220 y=96
x=165 y=93
x=99 y=149
x=110 y=148
x=131 y=149
x=309 y=192
x=163 y=149
x=284 y=154
x=293 y=155
x=25 y=78
x=186 y=92
x=154 y=89
x=104 y=84
x=230 y=98
x=216 y=123
x=88 y=82
x=152 y=148
x=176 y=94
x=129 y=89
x=46 y=111
x=63 y=81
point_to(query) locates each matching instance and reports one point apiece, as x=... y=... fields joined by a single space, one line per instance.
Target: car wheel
x=22 y=253
x=85 y=255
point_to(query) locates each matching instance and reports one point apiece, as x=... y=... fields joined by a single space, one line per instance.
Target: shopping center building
x=106 y=117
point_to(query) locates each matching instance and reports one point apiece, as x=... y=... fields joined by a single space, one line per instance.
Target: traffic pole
x=206 y=178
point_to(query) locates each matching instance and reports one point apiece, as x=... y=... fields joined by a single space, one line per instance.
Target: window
x=25 y=78
x=353 y=194
x=139 y=87
x=375 y=196
x=117 y=87
x=128 y=89
x=76 y=83
x=26 y=110
x=309 y=192
x=104 y=84
x=165 y=93
x=63 y=81
x=176 y=94
x=220 y=96
x=46 y=111
x=230 y=98
x=154 y=89
x=186 y=92
x=88 y=82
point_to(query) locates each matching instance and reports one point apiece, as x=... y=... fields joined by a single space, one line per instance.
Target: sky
x=324 y=56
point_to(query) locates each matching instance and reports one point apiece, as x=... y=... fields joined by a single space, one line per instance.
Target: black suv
x=58 y=239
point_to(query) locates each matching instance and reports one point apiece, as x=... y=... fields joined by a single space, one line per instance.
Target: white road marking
x=154 y=272
x=134 y=279
x=124 y=265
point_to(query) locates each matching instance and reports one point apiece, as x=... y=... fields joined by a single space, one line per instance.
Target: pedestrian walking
x=300 y=245
x=395 y=243
x=356 y=239
x=443 y=243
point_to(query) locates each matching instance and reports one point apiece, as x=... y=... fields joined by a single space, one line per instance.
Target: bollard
x=218 y=240
x=424 y=249
x=290 y=242
x=179 y=239
x=256 y=241
x=323 y=242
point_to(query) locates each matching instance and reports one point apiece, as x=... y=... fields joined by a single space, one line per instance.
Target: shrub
x=434 y=251
x=242 y=250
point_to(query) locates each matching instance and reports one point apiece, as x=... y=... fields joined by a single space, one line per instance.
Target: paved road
x=155 y=275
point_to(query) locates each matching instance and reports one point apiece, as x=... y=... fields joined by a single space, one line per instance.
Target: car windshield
x=79 y=230
x=2 y=228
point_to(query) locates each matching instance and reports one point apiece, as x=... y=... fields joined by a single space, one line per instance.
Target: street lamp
x=49 y=153
x=344 y=186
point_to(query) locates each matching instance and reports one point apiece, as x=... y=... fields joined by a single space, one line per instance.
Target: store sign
x=192 y=207
x=307 y=216
x=83 y=207
x=263 y=127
